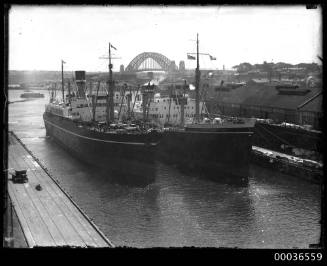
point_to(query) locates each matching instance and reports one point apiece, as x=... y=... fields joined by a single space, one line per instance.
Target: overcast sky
x=39 y=37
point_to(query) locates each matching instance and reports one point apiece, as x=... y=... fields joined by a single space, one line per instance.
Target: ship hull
x=116 y=155
x=272 y=137
x=220 y=156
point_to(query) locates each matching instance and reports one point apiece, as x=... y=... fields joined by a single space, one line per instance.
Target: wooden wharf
x=47 y=214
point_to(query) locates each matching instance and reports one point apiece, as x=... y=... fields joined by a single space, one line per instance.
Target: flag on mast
x=212 y=57
x=113 y=47
x=190 y=57
x=63 y=61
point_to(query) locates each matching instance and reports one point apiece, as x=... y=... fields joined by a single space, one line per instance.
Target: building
x=181 y=66
x=172 y=66
x=298 y=104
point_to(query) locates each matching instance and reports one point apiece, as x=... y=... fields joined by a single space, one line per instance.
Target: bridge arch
x=160 y=59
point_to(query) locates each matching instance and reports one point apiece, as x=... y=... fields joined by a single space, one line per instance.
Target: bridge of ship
x=149 y=61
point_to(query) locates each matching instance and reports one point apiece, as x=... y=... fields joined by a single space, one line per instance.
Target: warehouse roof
x=314 y=104
x=267 y=95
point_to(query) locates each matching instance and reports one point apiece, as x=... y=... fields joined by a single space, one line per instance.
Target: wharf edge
x=69 y=198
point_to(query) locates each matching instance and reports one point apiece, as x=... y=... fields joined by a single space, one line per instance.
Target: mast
x=170 y=93
x=129 y=98
x=62 y=80
x=110 y=101
x=145 y=101
x=95 y=101
x=137 y=91
x=122 y=94
x=197 y=81
x=110 y=115
x=182 y=102
x=69 y=96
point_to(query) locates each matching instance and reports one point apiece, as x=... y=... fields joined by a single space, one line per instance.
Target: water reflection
x=213 y=174
x=286 y=209
x=123 y=175
x=212 y=213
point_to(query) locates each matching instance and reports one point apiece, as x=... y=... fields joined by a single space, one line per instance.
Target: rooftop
x=267 y=95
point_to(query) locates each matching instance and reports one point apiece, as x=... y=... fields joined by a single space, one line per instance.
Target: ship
x=32 y=95
x=219 y=147
x=289 y=138
x=85 y=125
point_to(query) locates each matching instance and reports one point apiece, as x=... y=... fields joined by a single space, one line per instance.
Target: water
x=273 y=211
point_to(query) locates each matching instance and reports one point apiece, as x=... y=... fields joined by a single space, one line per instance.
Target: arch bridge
x=149 y=61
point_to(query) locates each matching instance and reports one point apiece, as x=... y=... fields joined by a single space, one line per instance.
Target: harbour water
x=178 y=209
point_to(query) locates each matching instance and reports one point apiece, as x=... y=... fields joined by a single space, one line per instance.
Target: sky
x=40 y=36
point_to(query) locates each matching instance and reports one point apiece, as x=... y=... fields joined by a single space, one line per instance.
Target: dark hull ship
x=127 y=150
x=219 y=147
x=132 y=155
x=289 y=138
x=218 y=155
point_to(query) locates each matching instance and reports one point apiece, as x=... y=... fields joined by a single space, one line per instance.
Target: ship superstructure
x=165 y=110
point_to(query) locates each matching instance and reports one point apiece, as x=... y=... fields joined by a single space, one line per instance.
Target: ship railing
x=220 y=121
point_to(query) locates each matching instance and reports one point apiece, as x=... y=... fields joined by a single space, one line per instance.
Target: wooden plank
x=88 y=233
x=50 y=185
x=46 y=216
x=26 y=191
x=38 y=229
x=53 y=206
x=70 y=236
x=83 y=225
x=58 y=212
x=70 y=214
x=22 y=220
x=85 y=238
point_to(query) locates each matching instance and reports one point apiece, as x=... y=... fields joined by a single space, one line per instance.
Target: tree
x=243 y=67
x=268 y=67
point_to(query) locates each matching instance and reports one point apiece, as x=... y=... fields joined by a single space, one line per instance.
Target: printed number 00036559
x=294 y=256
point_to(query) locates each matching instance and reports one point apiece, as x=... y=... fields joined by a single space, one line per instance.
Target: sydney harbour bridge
x=150 y=61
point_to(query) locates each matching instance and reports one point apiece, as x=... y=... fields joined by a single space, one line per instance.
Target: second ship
x=219 y=147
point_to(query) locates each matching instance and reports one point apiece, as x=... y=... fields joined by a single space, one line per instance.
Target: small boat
x=32 y=95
